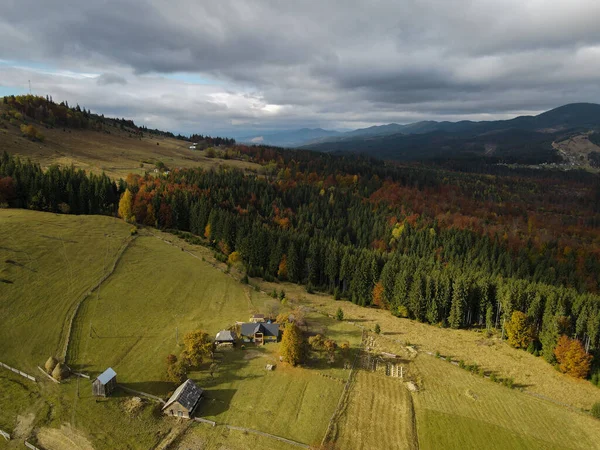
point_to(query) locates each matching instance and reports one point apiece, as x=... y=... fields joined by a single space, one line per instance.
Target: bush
x=437 y=354
x=245 y=279
x=377 y=328
x=461 y=364
x=508 y=382
x=596 y=378
x=596 y=410
x=339 y=315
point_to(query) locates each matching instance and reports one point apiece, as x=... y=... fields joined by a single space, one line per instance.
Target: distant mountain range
x=290 y=138
x=564 y=134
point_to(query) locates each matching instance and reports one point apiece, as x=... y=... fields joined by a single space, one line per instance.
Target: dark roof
x=268 y=329
x=225 y=336
x=106 y=376
x=188 y=395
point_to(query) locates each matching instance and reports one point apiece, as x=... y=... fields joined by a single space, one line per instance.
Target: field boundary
x=48 y=375
x=143 y=394
x=272 y=436
x=18 y=372
x=65 y=351
x=345 y=393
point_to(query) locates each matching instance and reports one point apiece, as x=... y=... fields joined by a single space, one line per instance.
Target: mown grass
x=292 y=402
x=156 y=295
x=456 y=409
x=47 y=262
x=532 y=373
x=386 y=404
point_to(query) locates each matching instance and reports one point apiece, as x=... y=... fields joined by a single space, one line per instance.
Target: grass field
x=117 y=153
x=48 y=262
x=158 y=291
x=530 y=372
x=456 y=409
x=386 y=404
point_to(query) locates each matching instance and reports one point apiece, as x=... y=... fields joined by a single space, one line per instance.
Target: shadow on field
x=215 y=402
x=158 y=388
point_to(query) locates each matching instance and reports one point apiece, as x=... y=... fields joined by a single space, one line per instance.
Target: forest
x=449 y=244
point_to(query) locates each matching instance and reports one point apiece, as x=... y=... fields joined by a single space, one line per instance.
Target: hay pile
x=133 y=405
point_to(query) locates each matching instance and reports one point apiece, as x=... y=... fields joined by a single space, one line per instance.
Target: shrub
x=461 y=364
x=596 y=410
x=339 y=315
x=437 y=354
x=281 y=294
x=245 y=279
x=493 y=377
x=377 y=328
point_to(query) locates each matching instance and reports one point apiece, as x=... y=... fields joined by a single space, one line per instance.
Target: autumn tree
x=572 y=358
x=282 y=268
x=378 y=295
x=177 y=372
x=197 y=346
x=292 y=343
x=519 y=331
x=126 y=206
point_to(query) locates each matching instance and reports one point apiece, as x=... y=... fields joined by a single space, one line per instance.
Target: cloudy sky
x=242 y=67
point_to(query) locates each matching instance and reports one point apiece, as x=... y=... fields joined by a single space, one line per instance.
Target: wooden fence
x=18 y=372
x=143 y=394
x=5 y=435
x=200 y=419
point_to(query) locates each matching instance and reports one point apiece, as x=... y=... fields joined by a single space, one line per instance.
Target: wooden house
x=105 y=383
x=225 y=338
x=184 y=401
x=260 y=333
x=257 y=318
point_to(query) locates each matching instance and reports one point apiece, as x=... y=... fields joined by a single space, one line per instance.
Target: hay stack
x=50 y=364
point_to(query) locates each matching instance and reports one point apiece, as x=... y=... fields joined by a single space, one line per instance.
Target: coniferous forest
x=453 y=244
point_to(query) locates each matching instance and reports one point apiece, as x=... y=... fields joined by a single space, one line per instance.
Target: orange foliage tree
x=572 y=358
x=378 y=298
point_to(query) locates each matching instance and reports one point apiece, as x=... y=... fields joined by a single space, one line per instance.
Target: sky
x=239 y=68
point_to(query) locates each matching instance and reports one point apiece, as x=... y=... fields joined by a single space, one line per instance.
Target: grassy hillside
x=458 y=410
x=117 y=154
x=47 y=263
x=161 y=286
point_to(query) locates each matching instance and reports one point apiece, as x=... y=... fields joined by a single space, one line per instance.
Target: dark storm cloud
x=343 y=62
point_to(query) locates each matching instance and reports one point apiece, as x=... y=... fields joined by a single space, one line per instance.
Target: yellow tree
x=518 y=330
x=197 y=346
x=125 y=206
x=292 y=344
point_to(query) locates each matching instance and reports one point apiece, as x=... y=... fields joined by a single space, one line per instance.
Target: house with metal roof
x=184 y=401
x=260 y=333
x=225 y=337
x=105 y=383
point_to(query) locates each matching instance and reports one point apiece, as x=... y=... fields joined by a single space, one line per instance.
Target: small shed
x=184 y=400
x=225 y=337
x=257 y=318
x=105 y=383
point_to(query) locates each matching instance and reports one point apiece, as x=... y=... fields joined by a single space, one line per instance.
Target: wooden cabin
x=184 y=401
x=105 y=383
x=257 y=318
x=225 y=338
x=260 y=333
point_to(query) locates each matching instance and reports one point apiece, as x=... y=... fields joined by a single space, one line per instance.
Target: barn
x=105 y=383
x=184 y=400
